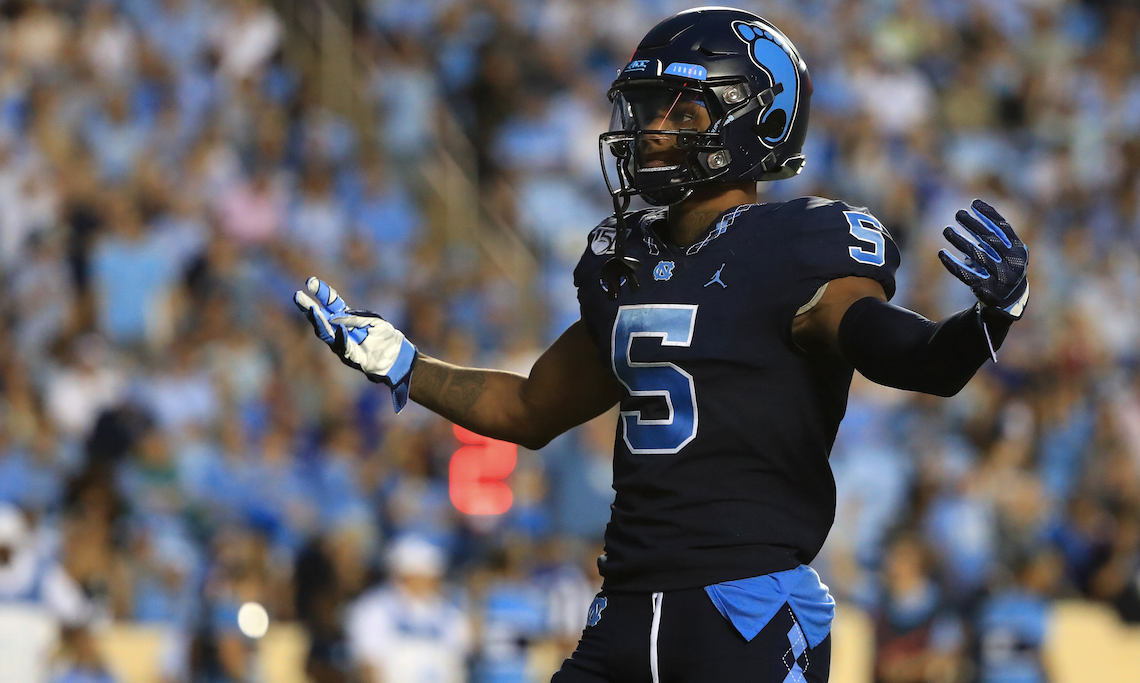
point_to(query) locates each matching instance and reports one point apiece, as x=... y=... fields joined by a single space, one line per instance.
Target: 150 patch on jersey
x=602 y=240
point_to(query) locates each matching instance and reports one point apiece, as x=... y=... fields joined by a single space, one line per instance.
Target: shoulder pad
x=649 y=216
x=815 y=205
x=832 y=212
x=603 y=237
x=835 y=239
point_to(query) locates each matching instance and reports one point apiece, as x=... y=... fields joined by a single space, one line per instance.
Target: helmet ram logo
x=772 y=52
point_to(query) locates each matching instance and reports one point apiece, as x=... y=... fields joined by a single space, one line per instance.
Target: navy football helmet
x=712 y=94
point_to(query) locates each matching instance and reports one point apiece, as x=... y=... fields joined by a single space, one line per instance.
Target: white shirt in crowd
x=405 y=638
x=37 y=596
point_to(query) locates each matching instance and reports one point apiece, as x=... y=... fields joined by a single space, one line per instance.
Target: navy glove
x=361 y=339
x=994 y=267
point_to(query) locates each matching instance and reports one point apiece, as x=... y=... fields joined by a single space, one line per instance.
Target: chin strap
x=620 y=269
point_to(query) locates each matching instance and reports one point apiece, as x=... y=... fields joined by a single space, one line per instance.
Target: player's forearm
x=899 y=348
x=488 y=402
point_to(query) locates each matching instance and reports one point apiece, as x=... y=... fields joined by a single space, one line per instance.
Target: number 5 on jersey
x=672 y=325
x=866 y=228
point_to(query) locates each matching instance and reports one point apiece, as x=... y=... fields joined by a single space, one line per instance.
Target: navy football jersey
x=721 y=456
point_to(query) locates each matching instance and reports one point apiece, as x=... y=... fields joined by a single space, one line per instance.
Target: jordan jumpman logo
x=716 y=278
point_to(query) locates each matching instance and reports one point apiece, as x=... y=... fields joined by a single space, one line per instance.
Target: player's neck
x=689 y=219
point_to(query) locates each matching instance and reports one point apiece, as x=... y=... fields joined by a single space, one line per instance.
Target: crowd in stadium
x=176 y=443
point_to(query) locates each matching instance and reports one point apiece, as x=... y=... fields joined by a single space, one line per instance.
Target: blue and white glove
x=361 y=339
x=994 y=267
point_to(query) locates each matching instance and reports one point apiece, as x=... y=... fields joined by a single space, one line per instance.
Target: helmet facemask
x=662 y=141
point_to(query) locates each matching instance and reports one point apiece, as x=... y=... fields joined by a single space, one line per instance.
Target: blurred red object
x=477 y=471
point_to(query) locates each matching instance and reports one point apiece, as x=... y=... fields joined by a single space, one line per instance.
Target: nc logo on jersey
x=772 y=52
x=602 y=240
x=664 y=270
x=595 y=613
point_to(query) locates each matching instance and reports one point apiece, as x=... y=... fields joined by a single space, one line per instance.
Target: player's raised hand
x=994 y=267
x=361 y=339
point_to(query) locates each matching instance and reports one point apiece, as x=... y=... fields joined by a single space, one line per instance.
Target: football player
x=727 y=331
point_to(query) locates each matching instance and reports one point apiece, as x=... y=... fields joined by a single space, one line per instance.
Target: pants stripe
x=653 y=631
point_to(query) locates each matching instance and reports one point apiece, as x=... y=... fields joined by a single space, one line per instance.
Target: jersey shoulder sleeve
x=833 y=239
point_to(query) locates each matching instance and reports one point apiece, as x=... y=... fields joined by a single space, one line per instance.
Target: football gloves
x=994 y=267
x=361 y=339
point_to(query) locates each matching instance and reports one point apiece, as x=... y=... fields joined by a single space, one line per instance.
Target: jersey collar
x=718 y=227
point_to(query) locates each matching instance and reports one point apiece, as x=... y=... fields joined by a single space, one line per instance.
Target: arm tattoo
x=453 y=391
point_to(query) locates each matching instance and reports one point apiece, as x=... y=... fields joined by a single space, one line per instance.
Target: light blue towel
x=751 y=603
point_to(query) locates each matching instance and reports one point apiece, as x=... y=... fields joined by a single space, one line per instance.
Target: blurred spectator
x=918 y=638
x=406 y=95
x=413 y=500
x=109 y=43
x=165 y=576
x=388 y=220
x=568 y=576
x=1013 y=622
x=252 y=212
x=513 y=616
x=242 y=572
x=275 y=494
x=329 y=572
x=1118 y=580
x=317 y=221
x=30 y=473
x=582 y=477
x=41 y=605
x=43 y=299
x=246 y=34
x=80 y=660
x=176 y=28
x=29 y=577
x=134 y=273
x=181 y=396
x=410 y=631
x=148 y=479
x=118 y=138
x=87 y=384
x=30 y=203
x=94 y=510
x=39 y=37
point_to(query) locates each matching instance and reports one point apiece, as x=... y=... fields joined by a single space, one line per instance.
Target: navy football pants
x=688 y=641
